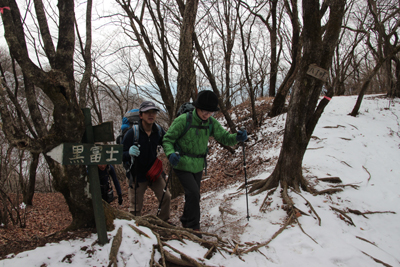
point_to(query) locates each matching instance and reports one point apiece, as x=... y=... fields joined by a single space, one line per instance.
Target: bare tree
x=157 y=50
x=271 y=22
x=295 y=51
x=303 y=113
x=385 y=25
x=58 y=84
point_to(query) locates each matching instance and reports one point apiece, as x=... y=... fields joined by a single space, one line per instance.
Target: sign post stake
x=94 y=185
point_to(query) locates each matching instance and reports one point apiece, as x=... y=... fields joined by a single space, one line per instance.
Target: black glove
x=241 y=136
x=174 y=158
x=120 y=199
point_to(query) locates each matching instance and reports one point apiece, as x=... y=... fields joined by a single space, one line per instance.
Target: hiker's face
x=149 y=116
x=102 y=167
x=204 y=114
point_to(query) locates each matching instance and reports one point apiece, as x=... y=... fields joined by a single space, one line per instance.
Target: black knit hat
x=207 y=100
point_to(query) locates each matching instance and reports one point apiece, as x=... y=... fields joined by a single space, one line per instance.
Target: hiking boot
x=199 y=235
x=170 y=223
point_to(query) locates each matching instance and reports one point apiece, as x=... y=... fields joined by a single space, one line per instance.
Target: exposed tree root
x=303 y=230
x=256 y=247
x=378 y=261
x=328 y=191
x=344 y=216
x=357 y=212
x=266 y=198
x=344 y=185
x=311 y=207
x=363 y=239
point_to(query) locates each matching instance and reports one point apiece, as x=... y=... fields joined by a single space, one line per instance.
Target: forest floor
x=49 y=215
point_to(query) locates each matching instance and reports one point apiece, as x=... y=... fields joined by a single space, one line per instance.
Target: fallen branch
x=314 y=148
x=184 y=256
x=175 y=260
x=335 y=180
x=137 y=230
x=369 y=178
x=162 y=251
x=115 y=247
x=337 y=126
x=209 y=253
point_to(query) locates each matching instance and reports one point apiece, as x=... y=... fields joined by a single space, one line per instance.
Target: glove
x=134 y=151
x=241 y=136
x=174 y=159
x=120 y=199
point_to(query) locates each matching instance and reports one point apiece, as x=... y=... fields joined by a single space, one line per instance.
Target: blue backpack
x=130 y=119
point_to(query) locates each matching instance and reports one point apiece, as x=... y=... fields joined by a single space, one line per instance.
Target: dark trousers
x=191 y=211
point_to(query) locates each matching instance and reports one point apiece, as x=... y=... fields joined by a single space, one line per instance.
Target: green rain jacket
x=194 y=142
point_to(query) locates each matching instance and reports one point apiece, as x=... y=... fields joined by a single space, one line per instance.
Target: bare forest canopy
x=61 y=57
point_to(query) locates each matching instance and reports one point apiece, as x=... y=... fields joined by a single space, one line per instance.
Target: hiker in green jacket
x=187 y=151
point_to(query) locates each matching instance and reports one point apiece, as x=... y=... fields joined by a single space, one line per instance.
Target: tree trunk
x=71 y=182
x=274 y=60
x=186 y=82
x=302 y=114
x=30 y=189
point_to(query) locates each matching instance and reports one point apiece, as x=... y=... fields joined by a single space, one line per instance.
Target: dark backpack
x=184 y=108
x=107 y=192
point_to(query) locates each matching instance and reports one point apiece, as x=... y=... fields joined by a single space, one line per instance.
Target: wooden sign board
x=317 y=72
x=86 y=154
x=102 y=133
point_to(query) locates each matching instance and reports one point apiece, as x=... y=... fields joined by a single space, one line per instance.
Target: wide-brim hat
x=148 y=105
x=206 y=100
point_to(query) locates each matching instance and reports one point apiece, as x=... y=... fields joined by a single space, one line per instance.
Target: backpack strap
x=159 y=130
x=136 y=131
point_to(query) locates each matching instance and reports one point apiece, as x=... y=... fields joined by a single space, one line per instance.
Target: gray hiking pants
x=157 y=187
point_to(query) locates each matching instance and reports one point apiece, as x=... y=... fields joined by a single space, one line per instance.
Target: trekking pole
x=135 y=177
x=164 y=191
x=245 y=176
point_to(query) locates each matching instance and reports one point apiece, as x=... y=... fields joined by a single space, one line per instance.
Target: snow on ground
x=362 y=151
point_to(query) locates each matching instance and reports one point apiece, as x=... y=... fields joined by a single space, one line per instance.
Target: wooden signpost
x=90 y=154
